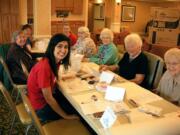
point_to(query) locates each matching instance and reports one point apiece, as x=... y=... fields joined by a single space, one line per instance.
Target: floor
x=5 y=121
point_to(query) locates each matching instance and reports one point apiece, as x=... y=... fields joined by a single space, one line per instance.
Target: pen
x=132 y=102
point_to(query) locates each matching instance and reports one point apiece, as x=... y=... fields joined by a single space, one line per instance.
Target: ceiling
x=101 y=1
x=159 y=0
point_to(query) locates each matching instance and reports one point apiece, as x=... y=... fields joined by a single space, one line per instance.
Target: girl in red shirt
x=42 y=78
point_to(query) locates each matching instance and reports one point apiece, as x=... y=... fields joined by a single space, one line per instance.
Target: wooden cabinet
x=63 y=4
x=75 y=6
x=9 y=19
x=57 y=26
x=14 y=6
x=4 y=6
x=78 y=7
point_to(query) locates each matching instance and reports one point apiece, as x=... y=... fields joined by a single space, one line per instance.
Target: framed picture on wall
x=128 y=13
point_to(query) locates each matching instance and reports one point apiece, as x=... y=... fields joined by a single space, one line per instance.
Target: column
x=42 y=18
x=116 y=18
x=23 y=12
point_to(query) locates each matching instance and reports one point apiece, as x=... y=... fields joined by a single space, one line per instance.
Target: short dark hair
x=26 y=26
x=50 y=52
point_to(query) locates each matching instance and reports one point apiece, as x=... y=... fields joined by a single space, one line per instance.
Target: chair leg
x=17 y=97
x=12 y=91
x=27 y=129
x=13 y=120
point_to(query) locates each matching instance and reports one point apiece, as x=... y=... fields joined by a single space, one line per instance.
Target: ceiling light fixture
x=118 y=1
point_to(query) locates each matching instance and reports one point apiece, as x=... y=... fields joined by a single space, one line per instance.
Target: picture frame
x=128 y=13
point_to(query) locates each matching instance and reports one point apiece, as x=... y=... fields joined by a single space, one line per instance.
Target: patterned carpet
x=5 y=121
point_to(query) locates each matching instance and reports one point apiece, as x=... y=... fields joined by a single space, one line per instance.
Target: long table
x=135 y=123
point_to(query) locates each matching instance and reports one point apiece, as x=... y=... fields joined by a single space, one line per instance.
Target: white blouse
x=169 y=87
x=86 y=47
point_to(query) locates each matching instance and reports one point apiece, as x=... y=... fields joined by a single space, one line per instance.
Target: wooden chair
x=155 y=70
x=16 y=87
x=58 y=127
x=17 y=110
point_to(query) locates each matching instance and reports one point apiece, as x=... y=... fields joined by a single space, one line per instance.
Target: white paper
x=91 y=107
x=120 y=107
x=108 y=118
x=115 y=93
x=139 y=117
x=76 y=85
x=149 y=109
x=106 y=77
x=145 y=98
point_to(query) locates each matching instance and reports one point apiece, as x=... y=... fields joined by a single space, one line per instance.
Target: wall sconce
x=118 y=1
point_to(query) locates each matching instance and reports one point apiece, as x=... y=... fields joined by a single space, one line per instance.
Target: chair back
x=4 y=48
x=155 y=70
x=32 y=113
x=5 y=68
x=24 y=69
x=7 y=97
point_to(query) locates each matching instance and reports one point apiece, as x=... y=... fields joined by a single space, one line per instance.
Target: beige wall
x=42 y=18
x=22 y=12
x=143 y=13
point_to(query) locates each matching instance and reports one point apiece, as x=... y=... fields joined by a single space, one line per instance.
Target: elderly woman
x=84 y=45
x=107 y=52
x=133 y=65
x=16 y=55
x=169 y=86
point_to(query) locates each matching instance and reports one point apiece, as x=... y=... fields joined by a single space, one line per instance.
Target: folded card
x=108 y=118
x=106 y=77
x=114 y=93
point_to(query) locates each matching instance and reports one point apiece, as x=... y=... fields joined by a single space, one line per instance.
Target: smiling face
x=106 y=39
x=81 y=35
x=173 y=66
x=61 y=51
x=21 y=39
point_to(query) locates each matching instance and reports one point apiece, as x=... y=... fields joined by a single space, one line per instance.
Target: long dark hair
x=50 y=52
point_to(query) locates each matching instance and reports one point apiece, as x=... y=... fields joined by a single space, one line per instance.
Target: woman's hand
x=72 y=117
x=85 y=59
x=103 y=68
x=155 y=91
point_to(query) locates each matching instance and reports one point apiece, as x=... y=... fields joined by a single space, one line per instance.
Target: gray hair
x=134 y=39
x=107 y=32
x=173 y=53
x=85 y=30
x=15 y=35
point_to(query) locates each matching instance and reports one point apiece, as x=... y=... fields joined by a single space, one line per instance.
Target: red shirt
x=41 y=76
x=73 y=38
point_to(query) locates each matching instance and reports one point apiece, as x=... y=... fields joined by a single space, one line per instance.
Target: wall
x=23 y=12
x=143 y=13
x=42 y=18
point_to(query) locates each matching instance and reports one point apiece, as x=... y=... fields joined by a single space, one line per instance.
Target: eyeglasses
x=105 y=37
x=171 y=63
